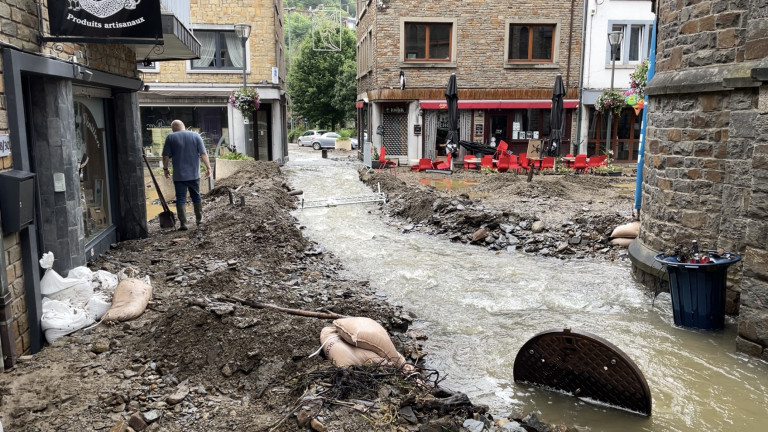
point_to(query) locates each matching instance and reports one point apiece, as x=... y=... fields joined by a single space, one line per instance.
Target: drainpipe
x=641 y=150
x=581 y=77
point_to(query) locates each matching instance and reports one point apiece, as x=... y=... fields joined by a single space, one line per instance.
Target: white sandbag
x=60 y=318
x=80 y=272
x=129 y=301
x=344 y=354
x=52 y=282
x=630 y=230
x=365 y=333
x=78 y=294
x=107 y=281
x=623 y=242
x=97 y=306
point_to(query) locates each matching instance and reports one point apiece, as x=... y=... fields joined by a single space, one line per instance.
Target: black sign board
x=105 y=20
x=417 y=129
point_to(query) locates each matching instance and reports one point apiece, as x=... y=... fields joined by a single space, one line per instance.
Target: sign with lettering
x=395 y=110
x=417 y=129
x=105 y=19
x=5 y=145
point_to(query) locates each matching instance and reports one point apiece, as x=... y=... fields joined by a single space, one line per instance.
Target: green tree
x=322 y=83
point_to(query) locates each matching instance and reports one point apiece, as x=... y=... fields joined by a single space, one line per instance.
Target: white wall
x=597 y=70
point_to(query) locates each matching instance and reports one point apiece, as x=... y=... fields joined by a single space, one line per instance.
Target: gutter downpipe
x=581 y=78
x=641 y=150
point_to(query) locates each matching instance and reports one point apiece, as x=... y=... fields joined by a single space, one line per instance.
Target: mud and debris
x=198 y=361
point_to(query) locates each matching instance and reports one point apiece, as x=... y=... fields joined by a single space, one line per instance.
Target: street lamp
x=614 y=39
x=243 y=31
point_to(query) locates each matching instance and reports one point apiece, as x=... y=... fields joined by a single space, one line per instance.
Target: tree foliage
x=322 y=84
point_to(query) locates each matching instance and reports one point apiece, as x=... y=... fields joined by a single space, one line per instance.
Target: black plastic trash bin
x=698 y=290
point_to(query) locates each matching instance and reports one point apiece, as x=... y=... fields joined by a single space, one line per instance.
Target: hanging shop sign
x=106 y=20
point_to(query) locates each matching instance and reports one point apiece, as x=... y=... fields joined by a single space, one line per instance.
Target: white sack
x=97 y=306
x=60 y=319
x=106 y=280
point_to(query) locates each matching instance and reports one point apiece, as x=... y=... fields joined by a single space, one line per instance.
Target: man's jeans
x=181 y=191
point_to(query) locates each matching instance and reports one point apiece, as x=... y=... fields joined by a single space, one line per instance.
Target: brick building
x=506 y=57
x=706 y=159
x=70 y=140
x=197 y=91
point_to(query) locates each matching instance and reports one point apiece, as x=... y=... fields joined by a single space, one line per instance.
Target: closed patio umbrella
x=557 y=114
x=452 y=98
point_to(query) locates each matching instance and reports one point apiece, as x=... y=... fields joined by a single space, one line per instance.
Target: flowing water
x=479 y=307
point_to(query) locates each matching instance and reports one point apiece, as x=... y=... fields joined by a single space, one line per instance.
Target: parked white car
x=307 y=137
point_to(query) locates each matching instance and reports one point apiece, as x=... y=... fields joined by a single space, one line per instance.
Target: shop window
x=428 y=41
x=531 y=43
x=210 y=122
x=94 y=175
x=218 y=50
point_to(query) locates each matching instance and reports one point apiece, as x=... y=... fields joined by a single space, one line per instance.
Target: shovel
x=167 y=217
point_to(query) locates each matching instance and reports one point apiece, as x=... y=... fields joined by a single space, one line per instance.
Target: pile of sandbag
x=623 y=235
x=85 y=296
x=358 y=341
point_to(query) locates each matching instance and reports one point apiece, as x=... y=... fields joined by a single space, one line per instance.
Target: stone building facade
x=197 y=91
x=706 y=159
x=69 y=126
x=504 y=89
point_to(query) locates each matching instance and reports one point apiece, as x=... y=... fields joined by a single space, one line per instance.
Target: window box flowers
x=245 y=100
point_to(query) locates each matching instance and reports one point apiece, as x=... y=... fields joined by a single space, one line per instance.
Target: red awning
x=499 y=104
x=359 y=104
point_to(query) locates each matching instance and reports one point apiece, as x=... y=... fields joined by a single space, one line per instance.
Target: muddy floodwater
x=478 y=308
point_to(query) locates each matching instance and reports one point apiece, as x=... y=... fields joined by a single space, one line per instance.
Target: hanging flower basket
x=610 y=101
x=245 y=100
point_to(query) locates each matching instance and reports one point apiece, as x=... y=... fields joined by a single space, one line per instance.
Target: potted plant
x=246 y=100
x=610 y=101
x=343 y=142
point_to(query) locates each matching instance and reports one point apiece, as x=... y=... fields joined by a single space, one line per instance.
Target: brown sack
x=344 y=354
x=623 y=242
x=630 y=230
x=367 y=334
x=129 y=301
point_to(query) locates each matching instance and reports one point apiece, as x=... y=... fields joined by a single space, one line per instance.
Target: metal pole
x=610 y=112
x=246 y=120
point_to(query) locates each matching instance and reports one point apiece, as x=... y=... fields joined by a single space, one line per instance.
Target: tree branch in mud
x=259 y=305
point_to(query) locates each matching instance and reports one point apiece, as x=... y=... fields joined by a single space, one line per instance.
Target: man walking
x=186 y=149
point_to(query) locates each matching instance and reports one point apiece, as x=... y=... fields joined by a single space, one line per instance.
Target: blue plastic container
x=698 y=290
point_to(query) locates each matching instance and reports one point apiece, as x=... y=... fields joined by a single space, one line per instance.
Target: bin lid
x=715 y=260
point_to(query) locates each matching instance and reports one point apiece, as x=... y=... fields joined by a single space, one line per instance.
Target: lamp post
x=243 y=31
x=614 y=39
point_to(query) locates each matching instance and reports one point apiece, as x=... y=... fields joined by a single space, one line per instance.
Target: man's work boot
x=198 y=212
x=181 y=213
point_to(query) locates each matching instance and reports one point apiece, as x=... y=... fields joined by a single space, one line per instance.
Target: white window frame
x=155 y=68
x=420 y=63
x=645 y=36
x=219 y=27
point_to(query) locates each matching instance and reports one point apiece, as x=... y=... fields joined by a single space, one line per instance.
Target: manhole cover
x=583 y=365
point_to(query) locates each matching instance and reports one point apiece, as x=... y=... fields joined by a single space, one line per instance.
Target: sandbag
x=365 y=333
x=344 y=354
x=623 y=242
x=59 y=318
x=52 y=283
x=97 y=306
x=129 y=301
x=630 y=230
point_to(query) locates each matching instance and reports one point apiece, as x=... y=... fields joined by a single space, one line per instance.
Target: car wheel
x=316 y=146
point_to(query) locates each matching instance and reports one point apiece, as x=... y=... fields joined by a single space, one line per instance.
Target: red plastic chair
x=503 y=164
x=569 y=164
x=384 y=163
x=524 y=162
x=548 y=163
x=470 y=165
x=425 y=164
x=445 y=165
x=580 y=164
x=595 y=161
x=513 y=164
x=501 y=149
x=487 y=161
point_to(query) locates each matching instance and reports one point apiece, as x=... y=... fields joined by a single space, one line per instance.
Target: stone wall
x=705 y=162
